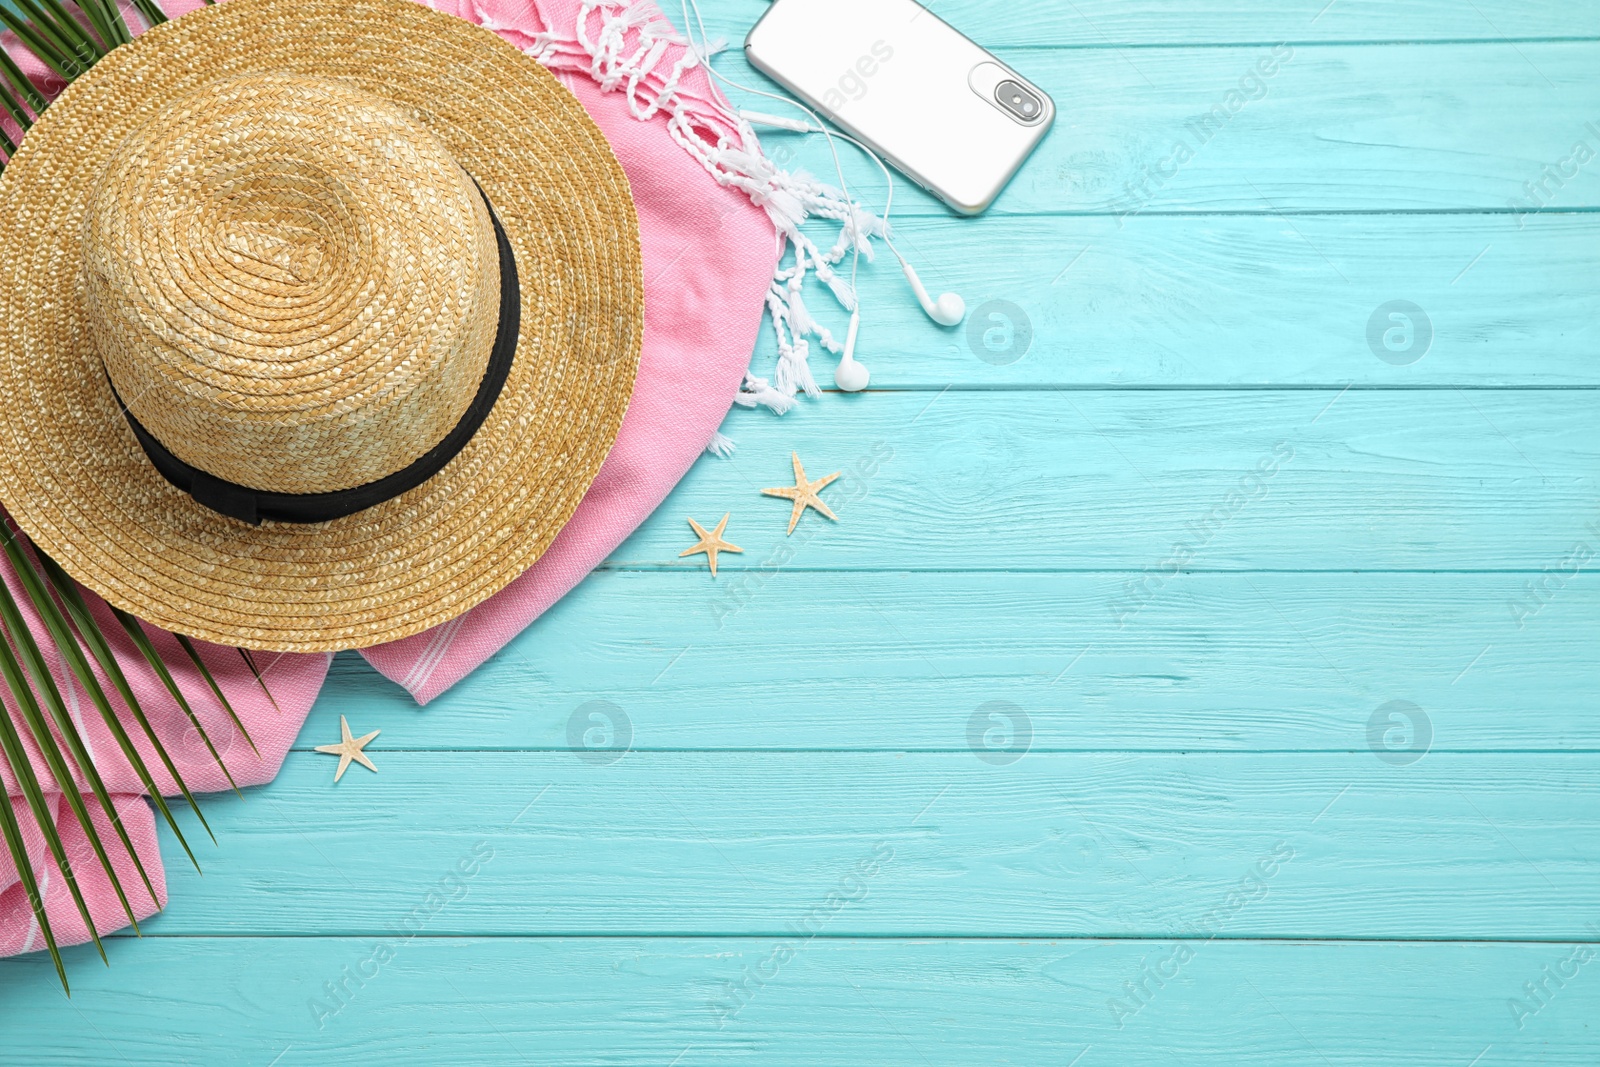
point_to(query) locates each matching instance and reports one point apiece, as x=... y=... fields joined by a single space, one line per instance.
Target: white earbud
x=948 y=310
x=851 y=376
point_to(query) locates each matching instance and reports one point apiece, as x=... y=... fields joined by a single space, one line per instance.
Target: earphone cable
x=702 y=54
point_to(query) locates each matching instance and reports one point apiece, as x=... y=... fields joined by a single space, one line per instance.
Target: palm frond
x=63 y=29
x=216 y=690
x=78 y=638
x=26 y=651
x=20 y=85
x=19 y=852
x=104 y=37
x=28 y=782
x=15 y=111
x=250 y=661
x=113 y=30
x=66 y=644
x=153 y=15
x=52 y=31
x=141 y=641
x=89 y=632
x=46 y=51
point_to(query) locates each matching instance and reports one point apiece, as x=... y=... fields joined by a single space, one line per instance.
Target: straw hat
x=317 y=318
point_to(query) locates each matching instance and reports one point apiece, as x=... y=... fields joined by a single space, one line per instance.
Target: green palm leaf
x=152 y=15
x=216 y=690
x=64 y=31
x=44 y=684
x=25 y=89
x=19 y=852
x=61 y=633
x=16 y=758
x=31 y=38
x=89 y=631
x=141 y=641
x=250 y=661
x=72 y=629
x=22 y=770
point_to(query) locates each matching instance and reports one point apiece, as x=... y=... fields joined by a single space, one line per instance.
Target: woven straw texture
x=255 y=216
x=292 y=286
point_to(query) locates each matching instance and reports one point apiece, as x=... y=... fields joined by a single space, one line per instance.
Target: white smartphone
x=949 y=115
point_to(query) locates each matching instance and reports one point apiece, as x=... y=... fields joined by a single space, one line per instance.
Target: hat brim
x=72 y=473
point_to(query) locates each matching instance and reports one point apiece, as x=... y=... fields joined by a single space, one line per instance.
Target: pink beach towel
x=709 y=254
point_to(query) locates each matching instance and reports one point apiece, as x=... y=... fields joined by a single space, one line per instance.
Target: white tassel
x=720 y=445
x=841 y=288
x=734 y=158
x=793 y=373
x=756 y=391
x=798 y=315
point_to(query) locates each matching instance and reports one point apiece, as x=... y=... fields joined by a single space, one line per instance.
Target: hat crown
x=292 y=285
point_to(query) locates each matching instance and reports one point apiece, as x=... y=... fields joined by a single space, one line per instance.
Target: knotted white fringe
x=727 y=147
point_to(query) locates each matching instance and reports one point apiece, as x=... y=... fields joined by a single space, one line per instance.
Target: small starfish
x=804 y=493
x=711 y=543
x=349 y=749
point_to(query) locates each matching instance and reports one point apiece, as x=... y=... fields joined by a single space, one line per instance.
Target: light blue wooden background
x=1208 y=855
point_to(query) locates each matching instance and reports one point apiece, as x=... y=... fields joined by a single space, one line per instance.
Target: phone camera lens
x=1018 y=99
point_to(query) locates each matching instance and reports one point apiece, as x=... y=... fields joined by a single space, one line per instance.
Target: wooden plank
x=820 y=1001
x=1448 y=127
x=1141 y=23
x=1359 y=480
x=1218 y=662
x=1231 y=301
x=1450 y=846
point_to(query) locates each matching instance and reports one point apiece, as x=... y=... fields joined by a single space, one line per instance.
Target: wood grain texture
x=774 y=817
x=632 y=1002
x=1053 y=844
x=1448 y=127
x=1313 y=480
x=1095 y=24
x=1211 y=662
x=1254 y=301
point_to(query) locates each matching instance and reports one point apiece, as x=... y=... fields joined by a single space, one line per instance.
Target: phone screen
x=948 y=114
